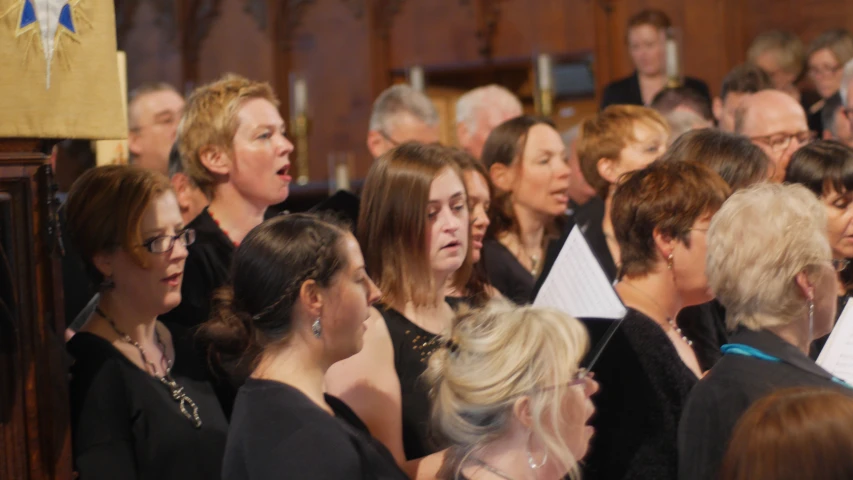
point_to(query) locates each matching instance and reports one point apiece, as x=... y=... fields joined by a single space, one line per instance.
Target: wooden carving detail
x=488 y=13
x=288 y=18
x=196 y=25
x=166 y=18
x=387 y=10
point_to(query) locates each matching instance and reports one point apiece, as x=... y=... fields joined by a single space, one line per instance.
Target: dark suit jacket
x=726 y=392
x=627 y=91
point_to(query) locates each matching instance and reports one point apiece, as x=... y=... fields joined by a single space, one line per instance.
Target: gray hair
x=846 y=78
x=140 y=92
x=490 y=96
x=399 y=99
x=760 y=239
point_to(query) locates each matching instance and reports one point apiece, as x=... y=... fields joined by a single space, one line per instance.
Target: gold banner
x=59 y=77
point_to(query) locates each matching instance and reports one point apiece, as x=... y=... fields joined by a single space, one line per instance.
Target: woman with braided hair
x=298 y=303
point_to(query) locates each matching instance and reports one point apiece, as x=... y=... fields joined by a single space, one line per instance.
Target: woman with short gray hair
x=769 y=263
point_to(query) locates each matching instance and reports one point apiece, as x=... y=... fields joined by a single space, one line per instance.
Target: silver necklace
x=491 y=469
x=188 y=407
x=669 y=319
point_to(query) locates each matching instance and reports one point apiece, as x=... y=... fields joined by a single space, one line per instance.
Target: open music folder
x=837 y=355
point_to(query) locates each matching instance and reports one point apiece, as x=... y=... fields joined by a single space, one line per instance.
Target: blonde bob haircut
x=210 y=121
x=491 y=358
x=392 y=222
x=608 y=133
x=760 y=239
x=789 y=50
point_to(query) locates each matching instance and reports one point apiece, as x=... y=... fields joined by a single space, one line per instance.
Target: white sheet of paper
x=577 y=285
x=837 y=355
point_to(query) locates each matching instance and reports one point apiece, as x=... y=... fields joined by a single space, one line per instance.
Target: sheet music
x=837 y=355
x=577 y=285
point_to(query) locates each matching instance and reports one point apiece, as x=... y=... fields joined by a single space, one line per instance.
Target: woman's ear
x=215 y=160
x=664 y=243
x=521 y=410
x=806 y=287
x=608 y=170
x=502 y=176
x=311 y=297
x=104 y=263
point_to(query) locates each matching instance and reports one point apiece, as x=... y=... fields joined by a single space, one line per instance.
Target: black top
x=412 y=348
x=644 y=385
x=126 y=424
x=626 y=91
x=506 y=273
x=727 y=391
x=277 y=432
x=819 y=343
x=207 y=268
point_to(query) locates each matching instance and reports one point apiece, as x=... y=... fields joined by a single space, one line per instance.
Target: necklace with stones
x=669 y=319
x=188 y=407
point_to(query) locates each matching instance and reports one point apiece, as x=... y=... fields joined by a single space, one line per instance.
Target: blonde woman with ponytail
x=509 y=397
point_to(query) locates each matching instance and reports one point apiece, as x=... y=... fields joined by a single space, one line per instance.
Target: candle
x=416 y=78
x=300 y=96
x=342 y=176
x=543 y=70
x=672 y=70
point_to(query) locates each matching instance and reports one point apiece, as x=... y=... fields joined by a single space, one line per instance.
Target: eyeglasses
x=388 y=138
x=779 y=142
x=165 y=243
x=839 y=264
x=165 y=119
x=822 y=70
x=579 y=378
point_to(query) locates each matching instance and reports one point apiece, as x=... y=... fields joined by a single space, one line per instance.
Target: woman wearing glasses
x=140 y=405
x=826 y=168
x=508 y=395
x=826 y=58
x=660 y=218
x=770 y=264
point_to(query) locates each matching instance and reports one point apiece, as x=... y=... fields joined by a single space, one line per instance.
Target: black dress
x=278 y=433
x=126 y=425
x=412 y=348
x=207 y=268
x=644 y=385
x=626 y=91
x=726 y=392
x=506 y=273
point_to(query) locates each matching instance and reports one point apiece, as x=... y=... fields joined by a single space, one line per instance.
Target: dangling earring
x=669 y=262
x=530 y=460
x=107 y=283
x=316 y=328
x=811 y=320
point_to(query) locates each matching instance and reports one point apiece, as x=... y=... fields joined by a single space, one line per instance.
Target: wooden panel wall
x=349 y=50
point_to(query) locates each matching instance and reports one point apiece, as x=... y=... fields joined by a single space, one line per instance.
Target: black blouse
x=126 y=424
x=644 y=385
x=412 y=348
x=277 y=432
x=207 y=268
x=626 y=91
x=727 y=391
x=506 y=273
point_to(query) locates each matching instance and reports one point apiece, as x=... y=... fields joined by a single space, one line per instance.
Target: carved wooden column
x=35 y=433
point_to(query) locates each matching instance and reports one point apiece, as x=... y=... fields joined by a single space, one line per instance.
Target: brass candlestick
x=546 y=102
x=300 y=132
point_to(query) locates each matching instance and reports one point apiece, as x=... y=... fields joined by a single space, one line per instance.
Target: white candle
x=543 y=70
x=342 y=176
x=416 y=78
x=672 y=70
x=300 y=96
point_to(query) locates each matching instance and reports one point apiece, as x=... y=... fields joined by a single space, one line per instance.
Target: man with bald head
x=777 y=124
x=153 y=113
x=479 y=111
x=401 y=114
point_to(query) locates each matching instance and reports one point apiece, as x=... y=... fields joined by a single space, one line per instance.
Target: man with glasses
x=777 y=124
x=153 y=113
x=401 y=114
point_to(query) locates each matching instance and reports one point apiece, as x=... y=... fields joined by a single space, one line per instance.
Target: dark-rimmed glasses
x=839 y=264
x=779 y=142
x=165 y=243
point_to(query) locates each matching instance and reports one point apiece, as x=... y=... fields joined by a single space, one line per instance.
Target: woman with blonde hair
x=509 y=396
x=827 y=55
x=770 y=264
x=781 y=55
x=802 y=433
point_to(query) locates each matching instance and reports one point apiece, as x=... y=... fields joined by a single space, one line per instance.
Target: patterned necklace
x=209 y=212
x=669 y=319
x=188 y=407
